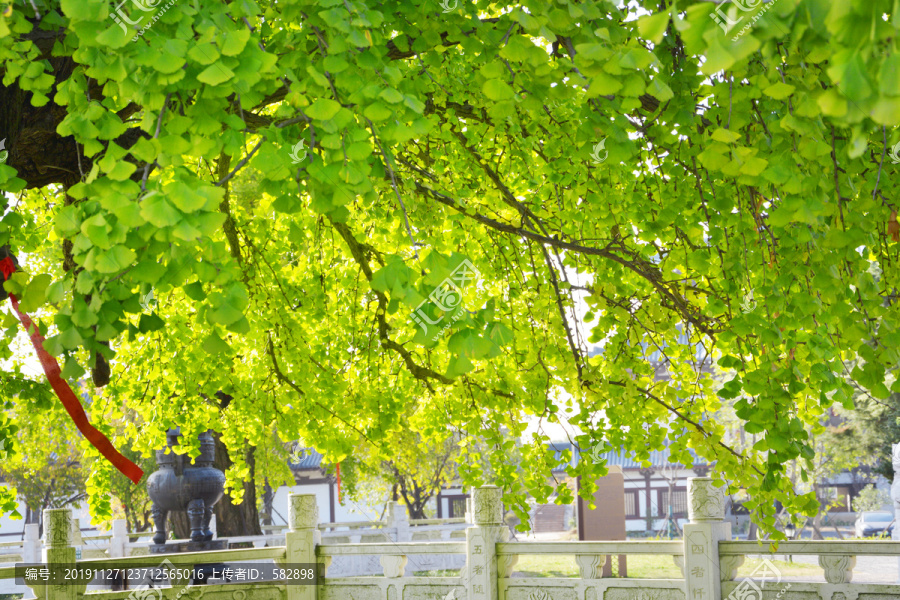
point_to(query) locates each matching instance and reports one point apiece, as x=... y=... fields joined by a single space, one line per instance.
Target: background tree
x=132 y=502
x=420 y=470
x=871 y=498
x=874 y=426
x=639 y=165
x=44 y=469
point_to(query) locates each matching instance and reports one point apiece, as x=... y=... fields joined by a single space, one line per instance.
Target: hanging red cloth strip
x=64 y=392
x=339 y=482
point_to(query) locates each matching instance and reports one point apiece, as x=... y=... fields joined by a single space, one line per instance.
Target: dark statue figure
x=182 y=485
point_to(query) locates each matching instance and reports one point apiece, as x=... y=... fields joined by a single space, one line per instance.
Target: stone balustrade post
x=31 y=547
x=31 y=551
x=707 y=527
x=301 y=540
x=77 y=540
x=895 y=496
x=398 y=520
x=58 y=554
x=481 y=544
x=118 y=544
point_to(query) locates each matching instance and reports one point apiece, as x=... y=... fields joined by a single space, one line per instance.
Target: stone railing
x=395 y=528
x=707 y=557
x=836 y=558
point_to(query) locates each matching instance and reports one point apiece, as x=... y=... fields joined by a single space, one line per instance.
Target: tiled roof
x=309 y=459
x=625 y=460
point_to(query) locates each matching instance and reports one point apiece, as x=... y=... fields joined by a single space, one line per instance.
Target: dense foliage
x=292 y=179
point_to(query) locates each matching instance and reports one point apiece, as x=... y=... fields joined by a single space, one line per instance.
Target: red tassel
x=64 y=392
x=339 y=483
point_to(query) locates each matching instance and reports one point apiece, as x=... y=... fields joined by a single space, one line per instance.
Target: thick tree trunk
x=231 y=519
x=237 y=519
x=268 y=498
x=179 y=525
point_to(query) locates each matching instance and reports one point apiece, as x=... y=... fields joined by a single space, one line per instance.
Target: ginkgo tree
x=483 y=191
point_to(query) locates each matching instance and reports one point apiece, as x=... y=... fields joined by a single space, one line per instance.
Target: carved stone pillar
x=481 y=544
x=706 y=511
x=397 y=518
x=301 y=540
x=59 y=554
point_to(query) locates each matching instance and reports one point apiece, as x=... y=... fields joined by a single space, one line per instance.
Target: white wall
x=348 y=511
x=11 y=530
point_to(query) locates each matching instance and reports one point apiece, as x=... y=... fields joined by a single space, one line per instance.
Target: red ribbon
x=64 y=392
x=7 y=267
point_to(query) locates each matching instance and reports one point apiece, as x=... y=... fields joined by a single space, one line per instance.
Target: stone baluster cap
x=488 y=505
x=706 y=502
x=58 y=526
x=303 y=511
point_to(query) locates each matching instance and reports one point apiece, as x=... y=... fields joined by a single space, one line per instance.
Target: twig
x=270 y=350
x=389 y=164
x=162 y=111
x=241 y=164
x=880 y=164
